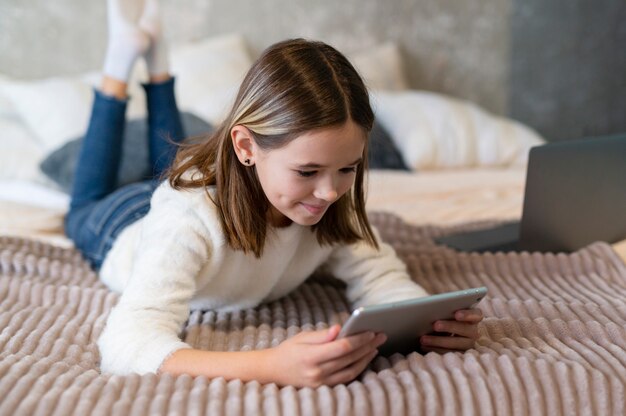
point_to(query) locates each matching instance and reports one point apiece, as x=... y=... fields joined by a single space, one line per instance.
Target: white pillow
x=19 y=152
x=54 y=109
x=57 y=109
x=381 y=67
x=434 y=131
x=6 y=107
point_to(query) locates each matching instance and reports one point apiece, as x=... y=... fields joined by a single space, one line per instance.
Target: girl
x=244 y=217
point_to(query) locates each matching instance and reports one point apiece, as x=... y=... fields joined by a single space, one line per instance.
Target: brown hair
x=294 y=87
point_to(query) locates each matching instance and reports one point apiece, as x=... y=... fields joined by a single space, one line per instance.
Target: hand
x=315 y=358
x=463 y=332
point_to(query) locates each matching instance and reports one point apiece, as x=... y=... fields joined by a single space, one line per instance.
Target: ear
x=244 y=144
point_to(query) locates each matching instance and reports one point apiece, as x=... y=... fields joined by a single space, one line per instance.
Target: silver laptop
x=575 y=194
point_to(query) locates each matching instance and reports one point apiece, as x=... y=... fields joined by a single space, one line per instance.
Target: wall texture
x=558 y=66
x=450 y=46
x=568 y=66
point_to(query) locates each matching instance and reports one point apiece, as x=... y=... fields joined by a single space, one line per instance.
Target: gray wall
x=568 y=66
x=487 y=51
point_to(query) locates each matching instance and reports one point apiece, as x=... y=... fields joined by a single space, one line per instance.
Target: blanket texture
x=553 y=340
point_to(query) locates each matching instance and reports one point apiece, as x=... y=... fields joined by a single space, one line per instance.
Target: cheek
x=296 y=189
x=270 y=183
x=286 y=188
x=346 y=184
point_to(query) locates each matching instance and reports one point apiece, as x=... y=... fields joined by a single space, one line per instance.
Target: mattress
x=444 y=197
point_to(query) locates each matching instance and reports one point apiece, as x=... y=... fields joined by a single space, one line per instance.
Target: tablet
x=404 y=322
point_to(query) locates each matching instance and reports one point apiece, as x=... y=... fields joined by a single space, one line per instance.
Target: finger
x=349 y=373
x=463 y=329
x=450 y=343
x=332 y=366
x=346 y=360
x=343 y=346
x=320 y=336
x=469 y=315
x=332 y=333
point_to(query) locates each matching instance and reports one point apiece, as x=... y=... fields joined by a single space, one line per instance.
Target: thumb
x=332 y=332
x=321 y=336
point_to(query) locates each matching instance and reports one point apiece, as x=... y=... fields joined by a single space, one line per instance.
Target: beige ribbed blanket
x=553 y=341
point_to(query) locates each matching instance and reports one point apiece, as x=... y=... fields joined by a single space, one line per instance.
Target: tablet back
x=404 y=322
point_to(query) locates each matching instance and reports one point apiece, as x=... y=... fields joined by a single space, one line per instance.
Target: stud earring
x=247 y=161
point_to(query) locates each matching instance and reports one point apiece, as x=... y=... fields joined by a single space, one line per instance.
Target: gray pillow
x=383 y=154
x=134 y=165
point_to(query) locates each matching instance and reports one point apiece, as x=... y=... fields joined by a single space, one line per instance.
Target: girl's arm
x=373 y=276
x=309 y=359
x=379 y=276
x=143 y=328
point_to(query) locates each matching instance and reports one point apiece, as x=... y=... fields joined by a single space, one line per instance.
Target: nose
x=326 y=190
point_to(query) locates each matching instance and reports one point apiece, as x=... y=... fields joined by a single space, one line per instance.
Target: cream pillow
x=434 y=131
x=208 y=74
x=381 y=67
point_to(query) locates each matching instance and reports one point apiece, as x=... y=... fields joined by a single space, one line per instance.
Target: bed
x=553 y=340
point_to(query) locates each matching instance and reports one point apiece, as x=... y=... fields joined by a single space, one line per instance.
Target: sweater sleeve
x=143 y=328
x=373 y=276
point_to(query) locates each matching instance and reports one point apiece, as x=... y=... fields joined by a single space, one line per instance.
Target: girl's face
x=302 y=179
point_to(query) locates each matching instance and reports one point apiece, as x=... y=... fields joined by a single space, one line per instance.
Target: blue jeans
x=99 y=210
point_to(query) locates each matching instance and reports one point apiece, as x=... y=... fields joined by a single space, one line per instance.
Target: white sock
x=156 y=55
x=126 y=40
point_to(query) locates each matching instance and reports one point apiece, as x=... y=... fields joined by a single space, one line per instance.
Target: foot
x=126 y=41
x=156 y=54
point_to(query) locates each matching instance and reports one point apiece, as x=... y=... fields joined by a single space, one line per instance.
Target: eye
x=306 y=173
x=351 y=169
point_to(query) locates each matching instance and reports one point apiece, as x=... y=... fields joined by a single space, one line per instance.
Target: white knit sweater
x=175 y=259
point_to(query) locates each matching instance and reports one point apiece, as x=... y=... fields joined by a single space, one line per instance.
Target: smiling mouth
x=314 y=209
